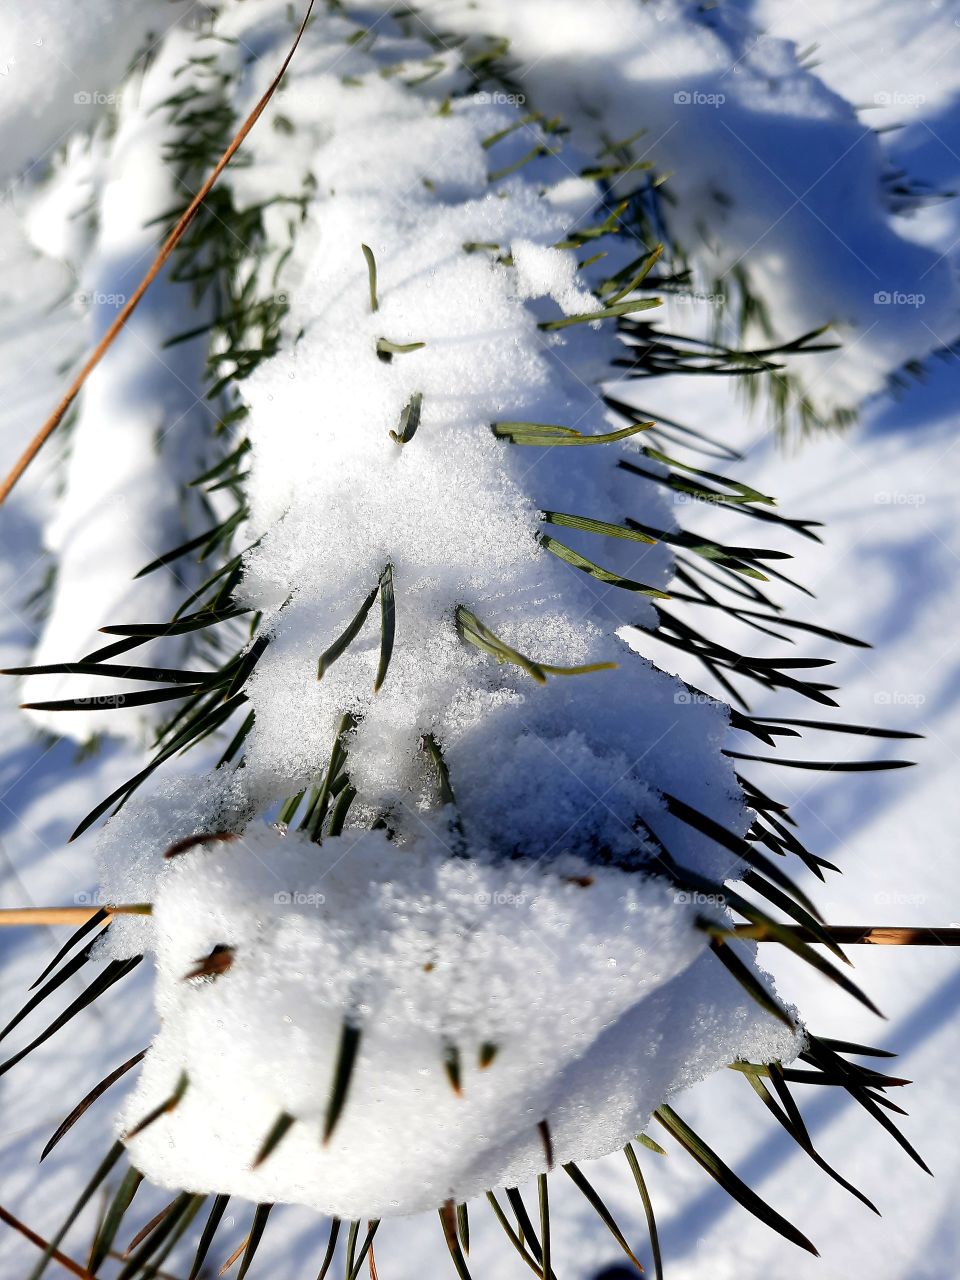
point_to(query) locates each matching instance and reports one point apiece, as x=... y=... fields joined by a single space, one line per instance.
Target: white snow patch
x=591 y=994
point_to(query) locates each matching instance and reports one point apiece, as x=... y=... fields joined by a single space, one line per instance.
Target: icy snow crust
x=598 y=997
x=601 y=997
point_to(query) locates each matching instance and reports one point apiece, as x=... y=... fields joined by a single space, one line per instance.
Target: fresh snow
x=887 y=487
x=589 y=983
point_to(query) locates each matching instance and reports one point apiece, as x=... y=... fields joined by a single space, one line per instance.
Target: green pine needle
x=342 y=1075
x=610 y=312
x=114 y=1216
x=548 y=435
x=473 y=631
x=388 y=625
x=409 y=420
x=260 y=1216
x=372 y=275
x=386 y=349
x=277 y=1132
x=647 y=1209
x=711 y=1162
x=577 y=561
x=604 y=1214
x=161 y=1109
x=343 y=641
x=448 y=1220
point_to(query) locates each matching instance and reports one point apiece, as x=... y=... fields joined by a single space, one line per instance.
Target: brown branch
x=844 y=934
x=38 y=441
x=14 y=916
x=855 y=934
x=73 y=1267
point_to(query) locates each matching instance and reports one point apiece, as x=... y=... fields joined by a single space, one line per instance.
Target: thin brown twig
x=15 y=916
x=51 y=424
x=844 y=934
x=867 y=934
x=68 y=1263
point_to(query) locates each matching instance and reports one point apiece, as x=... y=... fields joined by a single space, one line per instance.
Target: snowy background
x=887 y=493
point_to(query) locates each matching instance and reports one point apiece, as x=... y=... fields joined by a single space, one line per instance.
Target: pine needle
x=448 y=1219
x=97 y=1091
x=372 y=276
x=277 y=1132
x=67 y=1263
x=342 y=1075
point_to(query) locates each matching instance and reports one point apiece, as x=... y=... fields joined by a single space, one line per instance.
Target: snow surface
x=595 y=995
x=888 y=495
x=142 y=427
x=58 y=73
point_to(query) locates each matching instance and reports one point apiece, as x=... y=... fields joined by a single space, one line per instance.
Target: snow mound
x=574 y=998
